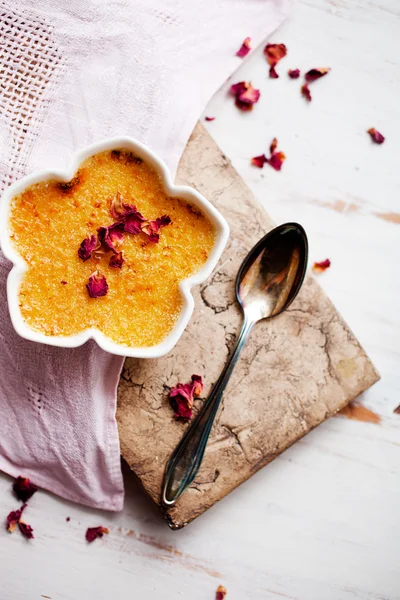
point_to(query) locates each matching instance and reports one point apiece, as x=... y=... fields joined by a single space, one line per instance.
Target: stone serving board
x=296 y=371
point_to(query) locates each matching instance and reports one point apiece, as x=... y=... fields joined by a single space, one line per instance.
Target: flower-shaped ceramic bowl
x=19 y=265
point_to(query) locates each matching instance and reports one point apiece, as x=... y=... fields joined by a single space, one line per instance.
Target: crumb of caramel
x=67 y=186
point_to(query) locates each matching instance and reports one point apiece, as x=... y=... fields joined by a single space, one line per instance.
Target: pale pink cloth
x=75 y=72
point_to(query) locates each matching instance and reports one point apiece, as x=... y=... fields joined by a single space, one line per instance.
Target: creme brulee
x=50 y=220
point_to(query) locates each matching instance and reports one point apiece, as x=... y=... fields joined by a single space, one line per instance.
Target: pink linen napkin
x=74 y=73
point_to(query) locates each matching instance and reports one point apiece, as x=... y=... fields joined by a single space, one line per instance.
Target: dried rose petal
x=274 y=53
x=209 y=118
x=68 y=519
x=310 y=76
x=221 y=593
x=305 y=91
x=23 y=488
x=397 y=410
x=249 y=96
x=97 y=285
x=238 y=88
x=294 y=73
x=319 y=267
x=87 y=247
x=245 y=95
x=314 y=74
x=117 y=202
x=152 y=228
x=132 y=220
x=273 y=146
x=276 y=160
x=111 y=237
x=118 y=207
x=95 y=532
x=272 y=73
x=25 y=529
x=244 y=48
x=13 y=518
x=197 y=383
x=64 y=282
x=259 y=161
x=376 y=137
x=116 y=260
x=182 y=397
x=129 y=218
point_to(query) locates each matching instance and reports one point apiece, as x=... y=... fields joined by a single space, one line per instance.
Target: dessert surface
x=50 y=220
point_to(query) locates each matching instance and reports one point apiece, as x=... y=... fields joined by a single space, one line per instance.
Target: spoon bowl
x=267 y=282
x=272 y=273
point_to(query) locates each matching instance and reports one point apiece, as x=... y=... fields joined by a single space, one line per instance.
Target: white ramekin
x=17 y=272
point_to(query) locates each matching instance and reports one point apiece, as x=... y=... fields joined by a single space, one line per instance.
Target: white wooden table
x=322 y=522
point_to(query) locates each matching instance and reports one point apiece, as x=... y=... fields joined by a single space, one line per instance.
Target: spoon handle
x=186 y=459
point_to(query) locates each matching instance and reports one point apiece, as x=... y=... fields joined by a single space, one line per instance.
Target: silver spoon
x=268 y=281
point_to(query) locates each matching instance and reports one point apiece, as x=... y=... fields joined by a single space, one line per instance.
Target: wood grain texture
x=296 y=370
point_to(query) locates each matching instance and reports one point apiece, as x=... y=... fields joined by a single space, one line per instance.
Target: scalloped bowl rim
x=19 y=265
